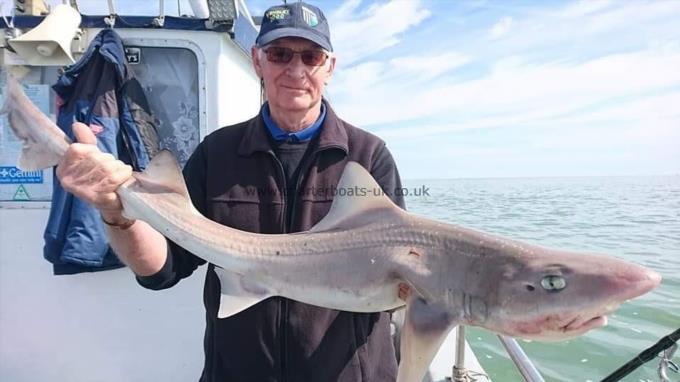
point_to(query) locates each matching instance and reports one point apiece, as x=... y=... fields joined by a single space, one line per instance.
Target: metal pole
x=160 y=20
x=520 y=359
x=460 y=373
x=110 y=20
x=460 y=346
x=200 y=8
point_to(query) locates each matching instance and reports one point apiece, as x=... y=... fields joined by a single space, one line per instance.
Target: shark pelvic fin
x=238 y=293
x=425 y=329
x=358 y=200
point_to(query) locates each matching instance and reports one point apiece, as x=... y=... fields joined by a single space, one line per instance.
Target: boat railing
x=664 y=349
x=524 y=365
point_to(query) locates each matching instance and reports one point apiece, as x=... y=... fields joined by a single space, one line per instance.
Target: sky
x=506 y=88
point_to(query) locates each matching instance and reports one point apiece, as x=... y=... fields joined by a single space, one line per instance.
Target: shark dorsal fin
x=358 y=200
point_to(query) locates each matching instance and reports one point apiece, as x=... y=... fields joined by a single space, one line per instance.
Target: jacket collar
x=332 y=135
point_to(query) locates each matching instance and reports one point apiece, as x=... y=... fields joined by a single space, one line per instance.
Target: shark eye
x=553 y=283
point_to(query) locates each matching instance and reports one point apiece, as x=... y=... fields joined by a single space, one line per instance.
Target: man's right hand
x=93 y=175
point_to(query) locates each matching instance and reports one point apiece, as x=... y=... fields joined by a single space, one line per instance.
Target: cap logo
x=310 y=17
x=277 y=14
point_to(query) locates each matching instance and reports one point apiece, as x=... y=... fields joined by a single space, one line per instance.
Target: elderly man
x=293 y=148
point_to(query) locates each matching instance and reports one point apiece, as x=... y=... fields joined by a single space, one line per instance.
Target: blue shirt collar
x=300 y=136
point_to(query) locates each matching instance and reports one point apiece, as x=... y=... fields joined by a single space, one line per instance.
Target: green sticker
x=21 y=193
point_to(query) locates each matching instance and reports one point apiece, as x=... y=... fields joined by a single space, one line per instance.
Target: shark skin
x=356 y=256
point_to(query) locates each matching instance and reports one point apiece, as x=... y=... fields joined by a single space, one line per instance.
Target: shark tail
x=43 y=142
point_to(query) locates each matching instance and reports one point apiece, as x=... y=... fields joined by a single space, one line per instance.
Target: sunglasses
x=283 y=55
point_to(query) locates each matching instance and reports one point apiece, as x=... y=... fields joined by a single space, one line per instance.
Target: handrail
x=667 y=345
x=524 y=365
x=460 y=373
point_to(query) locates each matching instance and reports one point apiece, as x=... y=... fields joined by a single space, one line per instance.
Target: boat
x=102 y=326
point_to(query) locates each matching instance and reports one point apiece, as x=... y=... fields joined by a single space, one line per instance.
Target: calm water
x=635 y=218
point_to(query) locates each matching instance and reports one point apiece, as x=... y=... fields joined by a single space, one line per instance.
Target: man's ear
x=331 y=68
x=257 y=65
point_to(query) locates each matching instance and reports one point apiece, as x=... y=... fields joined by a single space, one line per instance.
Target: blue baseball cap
x=297 y=19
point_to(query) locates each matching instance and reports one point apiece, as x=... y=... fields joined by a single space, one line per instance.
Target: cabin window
x=169 y=77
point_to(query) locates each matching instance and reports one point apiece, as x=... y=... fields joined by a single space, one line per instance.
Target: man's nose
x=296 y=68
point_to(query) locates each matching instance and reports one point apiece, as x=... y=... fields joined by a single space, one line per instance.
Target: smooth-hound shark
x=356 y=256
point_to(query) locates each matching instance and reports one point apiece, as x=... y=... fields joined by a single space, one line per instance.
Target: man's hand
x=404 y=291
x=92 y=175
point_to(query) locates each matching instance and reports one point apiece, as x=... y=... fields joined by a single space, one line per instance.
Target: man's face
x=292 y=86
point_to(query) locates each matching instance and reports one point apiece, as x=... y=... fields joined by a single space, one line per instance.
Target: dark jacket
x=235 y=178
x=95 y=91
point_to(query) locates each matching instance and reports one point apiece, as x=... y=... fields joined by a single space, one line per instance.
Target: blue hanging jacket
x=92 y=93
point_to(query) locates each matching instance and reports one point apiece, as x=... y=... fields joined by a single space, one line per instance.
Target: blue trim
x=171 y=22
x=300 y=136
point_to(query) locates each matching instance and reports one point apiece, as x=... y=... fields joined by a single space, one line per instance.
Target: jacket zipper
x=283 y=303
x=304 y=167
x=284 y=228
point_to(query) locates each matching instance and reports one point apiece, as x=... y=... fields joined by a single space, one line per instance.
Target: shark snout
x=635 y=281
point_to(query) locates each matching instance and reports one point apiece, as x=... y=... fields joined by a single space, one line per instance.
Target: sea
x=633 y=218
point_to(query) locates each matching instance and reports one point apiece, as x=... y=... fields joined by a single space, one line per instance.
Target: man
x=293 y=148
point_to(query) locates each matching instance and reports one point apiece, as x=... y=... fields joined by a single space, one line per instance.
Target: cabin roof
x=137 y=22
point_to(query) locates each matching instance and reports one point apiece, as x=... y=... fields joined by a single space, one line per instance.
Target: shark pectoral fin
x=238 y=293
x=425 y=328
x=358 y=200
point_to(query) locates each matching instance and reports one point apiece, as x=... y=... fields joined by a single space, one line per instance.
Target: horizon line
x=676 y=174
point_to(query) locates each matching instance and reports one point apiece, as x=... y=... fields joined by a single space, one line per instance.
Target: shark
x=355 y=258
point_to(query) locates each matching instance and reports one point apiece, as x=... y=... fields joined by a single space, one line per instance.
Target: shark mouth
x=559 y=326
x=583 y=321
x=581 y=324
